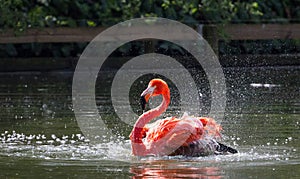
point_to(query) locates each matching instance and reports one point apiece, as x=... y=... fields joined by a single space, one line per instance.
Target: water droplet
x=53 y=136
x=50 y=141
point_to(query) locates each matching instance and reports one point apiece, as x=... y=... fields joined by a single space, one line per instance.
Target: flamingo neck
x=146 y=117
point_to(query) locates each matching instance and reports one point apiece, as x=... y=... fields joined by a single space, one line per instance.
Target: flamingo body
x=188 y=135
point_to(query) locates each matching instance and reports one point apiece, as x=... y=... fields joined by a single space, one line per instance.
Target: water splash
x=73 y=147
x=77 y=147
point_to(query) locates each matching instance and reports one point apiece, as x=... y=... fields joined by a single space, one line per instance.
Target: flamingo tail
x=224 y=149
x=203 y=147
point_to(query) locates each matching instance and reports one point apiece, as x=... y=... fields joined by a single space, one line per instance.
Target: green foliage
x=22 y=14
x=181 y=10
x=10 y=14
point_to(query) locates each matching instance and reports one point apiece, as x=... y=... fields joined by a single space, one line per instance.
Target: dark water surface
x=39 y=135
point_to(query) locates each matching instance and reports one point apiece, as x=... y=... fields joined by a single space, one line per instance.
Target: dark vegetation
x=21 y=15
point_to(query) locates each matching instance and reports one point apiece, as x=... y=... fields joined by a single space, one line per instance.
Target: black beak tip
x=143 y=102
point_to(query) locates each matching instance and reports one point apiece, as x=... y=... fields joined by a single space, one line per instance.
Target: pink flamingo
x=188 y=135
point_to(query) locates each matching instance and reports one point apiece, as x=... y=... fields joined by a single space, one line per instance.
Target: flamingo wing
x=166 y=135
x=187 y=134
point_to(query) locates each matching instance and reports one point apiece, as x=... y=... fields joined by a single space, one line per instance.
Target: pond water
x=40 y=137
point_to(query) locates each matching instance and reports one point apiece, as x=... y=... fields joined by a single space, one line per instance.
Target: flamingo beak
x=147 y=93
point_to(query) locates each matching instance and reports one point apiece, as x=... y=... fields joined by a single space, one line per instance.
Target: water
x=39 y=135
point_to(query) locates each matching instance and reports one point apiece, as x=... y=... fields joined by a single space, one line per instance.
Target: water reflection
x=172 y=169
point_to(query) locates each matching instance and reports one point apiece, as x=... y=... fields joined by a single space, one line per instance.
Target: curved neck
x=153 y=113
x=148 y=116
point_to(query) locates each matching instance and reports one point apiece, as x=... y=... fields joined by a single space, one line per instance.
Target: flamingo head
x=155 y=87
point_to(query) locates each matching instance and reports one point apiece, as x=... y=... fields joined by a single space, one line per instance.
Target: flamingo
x=187 y=136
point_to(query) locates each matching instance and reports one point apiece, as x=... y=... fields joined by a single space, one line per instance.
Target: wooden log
x=81 y=34
x=51 y=35
x=86 y=34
